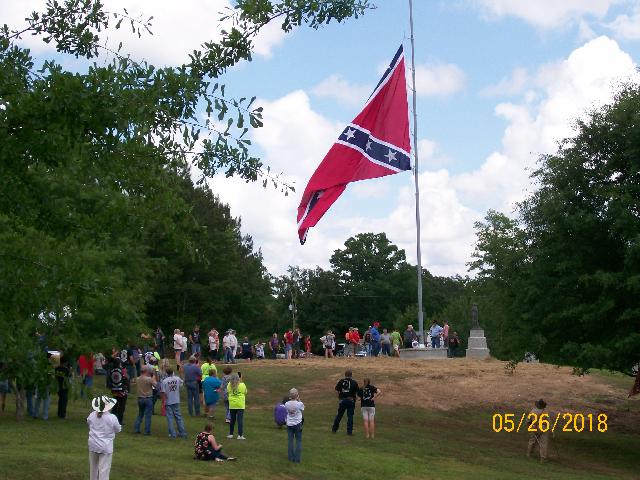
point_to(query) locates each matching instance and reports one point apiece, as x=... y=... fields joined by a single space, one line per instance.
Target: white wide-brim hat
x=103 y=403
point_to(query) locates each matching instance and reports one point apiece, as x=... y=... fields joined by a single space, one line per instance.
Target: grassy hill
x=433 y=422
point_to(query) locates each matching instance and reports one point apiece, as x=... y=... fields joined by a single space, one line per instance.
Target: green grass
x=411 y=442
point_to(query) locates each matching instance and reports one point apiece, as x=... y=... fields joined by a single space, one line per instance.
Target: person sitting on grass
x=367 y=395
x=206 y=447
x=280 y=413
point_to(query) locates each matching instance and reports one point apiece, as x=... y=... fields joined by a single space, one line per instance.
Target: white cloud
x=439 y=79
x=512 y=85
x=566 y=90
x=336 y=86
x=546 y=14
x=627 y=27
x=178 y=28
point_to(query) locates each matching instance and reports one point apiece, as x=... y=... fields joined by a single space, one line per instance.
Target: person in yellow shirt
x=205 y=367
x=237 y=392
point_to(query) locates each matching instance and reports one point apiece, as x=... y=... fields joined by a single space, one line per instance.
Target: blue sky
x=499 y=81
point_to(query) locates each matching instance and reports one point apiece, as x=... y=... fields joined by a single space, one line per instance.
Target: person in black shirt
x=247 y=349
x=367 y=395
x=63 y=376
x=347 y=389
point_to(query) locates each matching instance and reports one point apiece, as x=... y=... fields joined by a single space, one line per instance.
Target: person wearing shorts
x=367 y=395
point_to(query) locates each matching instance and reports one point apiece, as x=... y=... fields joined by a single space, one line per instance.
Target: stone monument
x=477 y=343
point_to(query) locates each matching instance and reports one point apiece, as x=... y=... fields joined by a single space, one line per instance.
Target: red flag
x=375 y=144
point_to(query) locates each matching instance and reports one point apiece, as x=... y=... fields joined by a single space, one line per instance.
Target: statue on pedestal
x=475 y=324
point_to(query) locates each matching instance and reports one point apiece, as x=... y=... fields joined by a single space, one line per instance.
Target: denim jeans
x=193 y=398
x=42 y=396
x=345 y=405
x=295 y=432
x=226 y=406
x=228 y=355
x=145 y=408
x=375 y=348
x=237 y=415
x=195 y=348
x=435 y=342
x=386 y=349
x=368 y=349
x=173 y=411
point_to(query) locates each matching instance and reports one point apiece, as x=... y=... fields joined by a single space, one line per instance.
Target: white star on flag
x=350 y=133
x=391 y=156
x=368 y=145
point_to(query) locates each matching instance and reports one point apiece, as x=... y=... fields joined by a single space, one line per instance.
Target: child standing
x=367 y=395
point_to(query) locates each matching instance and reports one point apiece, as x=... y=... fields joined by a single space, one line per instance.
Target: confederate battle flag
x=375 y=144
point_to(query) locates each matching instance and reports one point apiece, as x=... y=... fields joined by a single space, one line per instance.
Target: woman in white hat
x=103 y=427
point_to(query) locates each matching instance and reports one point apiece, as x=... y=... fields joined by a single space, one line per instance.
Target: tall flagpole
x=415 y=175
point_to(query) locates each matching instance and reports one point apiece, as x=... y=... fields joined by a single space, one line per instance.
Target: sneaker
x=231 y=459
x=226 y=420
x=229 y=436
x=241 y=437
x=219 y=460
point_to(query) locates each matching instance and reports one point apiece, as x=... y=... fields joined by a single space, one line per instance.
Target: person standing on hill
x=170 y=391
x=347 y=389
x=328 y=342
x=367 y=395
x=145 y=385
x=274 y=344
x=158 y=340
x=247 y=349
x=63 y=377
x=177 y=347
x=211 y=388
x=435 y=331
x=385 y=341
x=103 y=427
x=537 y=437
x=354 y=339
x=237 y=391
x=192 y=375
x=294 y=425
x=375 y=339
x=396 y=341
x=288 y=344
x=409 y=336
x=118 y=382
x=454 y=344
x=194 y=338
x=214 y=341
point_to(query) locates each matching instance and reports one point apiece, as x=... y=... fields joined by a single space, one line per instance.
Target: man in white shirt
x=177 y=346
x=103 y=427
x=234 y=344
x=226 y=346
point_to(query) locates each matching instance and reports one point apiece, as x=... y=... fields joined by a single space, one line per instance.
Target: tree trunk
x=20 y=400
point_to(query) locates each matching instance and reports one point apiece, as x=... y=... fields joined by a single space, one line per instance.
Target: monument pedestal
x=424 y=353
x=477 y=344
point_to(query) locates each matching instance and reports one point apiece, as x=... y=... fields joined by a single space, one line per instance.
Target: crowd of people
x=158 y=384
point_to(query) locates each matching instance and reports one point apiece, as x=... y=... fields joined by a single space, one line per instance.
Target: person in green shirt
x=208 y=365
x=237 y=392
x=396 y=341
